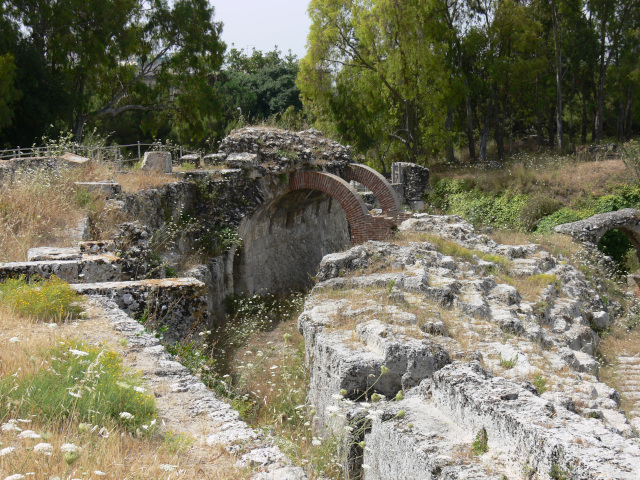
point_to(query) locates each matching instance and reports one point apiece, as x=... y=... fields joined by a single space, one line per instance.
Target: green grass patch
x=481 y=444
x=82 y=384
x=50 y=299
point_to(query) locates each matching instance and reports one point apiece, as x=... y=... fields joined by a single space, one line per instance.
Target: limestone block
x=191 y=158
x=66 y=270
x=101 y=268
x=177 y=303
x=214 y=159
x=242 y=160
x=73 y=159
x=52 y=253
x=157 y=162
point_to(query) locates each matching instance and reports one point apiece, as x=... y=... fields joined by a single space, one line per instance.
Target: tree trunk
x=79 y=128
x=550 y=124
x=628 y=123
x=599 y=121
x=585 y=121
x=470 y=139
x=539 y=131
x=498 y=126
x=448 y=123
x=558 y=51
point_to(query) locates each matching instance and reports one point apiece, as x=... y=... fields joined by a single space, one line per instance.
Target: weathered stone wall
x=284 y=241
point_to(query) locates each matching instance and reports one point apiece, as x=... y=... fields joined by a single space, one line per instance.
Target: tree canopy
x=80 y=60
x=412 y=79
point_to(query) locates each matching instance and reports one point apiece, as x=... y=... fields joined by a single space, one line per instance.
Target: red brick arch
x=363 y=225
x=379 y=185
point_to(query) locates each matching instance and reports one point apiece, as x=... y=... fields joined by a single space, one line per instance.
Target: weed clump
x=50 y=299
x=481 y=444
x=79 y=383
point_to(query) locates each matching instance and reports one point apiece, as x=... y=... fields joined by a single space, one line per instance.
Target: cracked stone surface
x=469 y=351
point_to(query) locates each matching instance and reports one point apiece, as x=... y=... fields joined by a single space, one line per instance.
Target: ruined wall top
x=282 y=150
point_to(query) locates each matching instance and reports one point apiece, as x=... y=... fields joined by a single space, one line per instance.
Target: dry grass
x=41 y=207
x=558 y=177
x=135 y=180
x=115 y=452
x=619 y=341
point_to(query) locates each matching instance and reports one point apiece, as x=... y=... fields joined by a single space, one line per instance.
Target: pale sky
x=263 y=24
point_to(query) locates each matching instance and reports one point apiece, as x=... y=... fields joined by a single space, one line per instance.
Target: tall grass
x=50 y=299
x=39 y=207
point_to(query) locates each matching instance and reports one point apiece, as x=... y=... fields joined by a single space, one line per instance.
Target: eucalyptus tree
x=376 y=71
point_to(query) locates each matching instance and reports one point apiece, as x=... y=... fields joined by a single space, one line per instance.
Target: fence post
x=180 y=151
x=138 y=149
x=19 y=152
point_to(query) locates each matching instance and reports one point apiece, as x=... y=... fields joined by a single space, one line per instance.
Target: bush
x=537 y=207
x=79 y=383
x=564 y=215
x=50 y=299
x=502 y=211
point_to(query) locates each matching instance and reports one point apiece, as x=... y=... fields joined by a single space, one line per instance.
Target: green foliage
x=535 y=209
x=558 y=473
x=51 y=300
x=481 y=443
x=79 y=383
x=259 y=87
x=564 y=215
x=508 y=362
x=8 y=92
x=615 y=244
x=540 y=383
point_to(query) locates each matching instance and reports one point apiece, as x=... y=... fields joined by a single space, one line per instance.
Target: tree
x=117 y=56
x=391 y=55
x=258 y=86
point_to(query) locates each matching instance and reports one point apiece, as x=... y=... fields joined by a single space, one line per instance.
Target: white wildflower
x=126 y=416
x=44 y=448
x=316 y=442
x=69 y=447
x=10 y=426
x=28 y=434
x=78 y=353
x=168 y=468
x=332 y=409
x=7 y=451
x=99 y=473
x=74 y=394
x=139 y=389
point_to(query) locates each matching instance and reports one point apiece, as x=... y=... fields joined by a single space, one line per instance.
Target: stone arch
x=376 y=182
x=591 y=230
x=284 y=240
x=363 y=225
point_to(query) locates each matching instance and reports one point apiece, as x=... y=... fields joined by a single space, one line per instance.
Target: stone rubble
x=452 y=335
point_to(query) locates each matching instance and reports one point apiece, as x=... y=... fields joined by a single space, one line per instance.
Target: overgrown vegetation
x=79 y=383
x=50 y=299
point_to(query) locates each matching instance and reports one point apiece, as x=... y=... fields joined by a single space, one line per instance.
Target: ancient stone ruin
x=475 y=365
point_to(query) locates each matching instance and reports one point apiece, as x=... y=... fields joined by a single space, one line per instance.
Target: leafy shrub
x=50 y=299
x=481 y=444
x=536 y=208
x=631 y=156
x=564 y=215
x=501 y=211
x=79 y=383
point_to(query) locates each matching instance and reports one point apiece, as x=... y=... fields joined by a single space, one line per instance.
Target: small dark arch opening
x=623 y=246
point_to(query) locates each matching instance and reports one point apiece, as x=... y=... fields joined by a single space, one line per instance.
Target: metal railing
x=110 y=153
